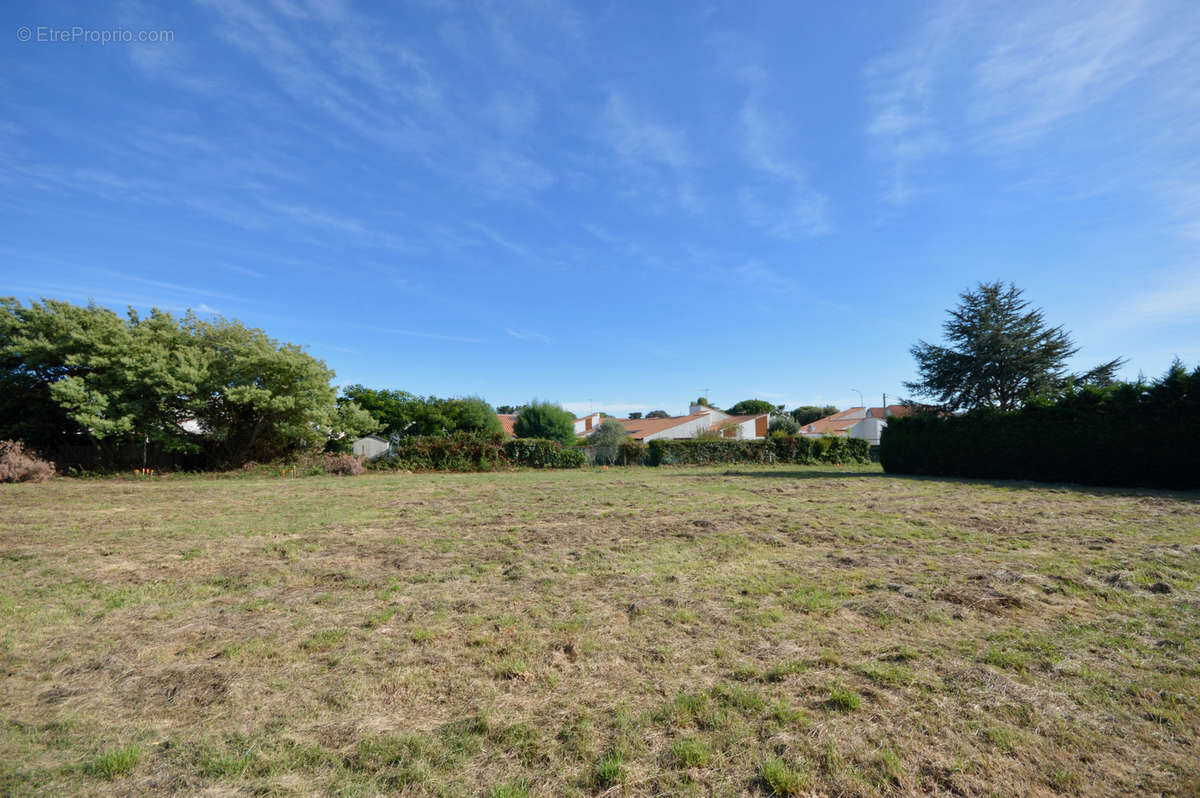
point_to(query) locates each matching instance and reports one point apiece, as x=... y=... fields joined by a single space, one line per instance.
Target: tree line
x=84 y=385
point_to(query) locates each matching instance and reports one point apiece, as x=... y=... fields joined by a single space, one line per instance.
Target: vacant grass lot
x=797 y=631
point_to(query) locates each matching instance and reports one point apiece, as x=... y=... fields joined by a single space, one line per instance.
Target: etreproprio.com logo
x=78 y=34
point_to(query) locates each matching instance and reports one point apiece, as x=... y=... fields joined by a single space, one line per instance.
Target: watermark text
x=78 y=34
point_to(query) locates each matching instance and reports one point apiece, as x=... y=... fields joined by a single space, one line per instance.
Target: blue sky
x=611 y=205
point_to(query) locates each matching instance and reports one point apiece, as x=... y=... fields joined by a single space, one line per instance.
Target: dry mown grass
x=635 y=632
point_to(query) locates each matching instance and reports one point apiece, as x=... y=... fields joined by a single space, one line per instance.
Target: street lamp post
x=861 y=403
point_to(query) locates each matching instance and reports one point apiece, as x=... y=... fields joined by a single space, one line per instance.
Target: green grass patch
x=842 y=698
x=325 y=640
x=115 y=762
x=784 y=779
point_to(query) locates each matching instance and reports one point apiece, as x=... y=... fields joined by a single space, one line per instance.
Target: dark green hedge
x=1132 y=434
x=633 y=453
x=542 y=453
x=779 y=449
x=466 y=451
x=458 y=451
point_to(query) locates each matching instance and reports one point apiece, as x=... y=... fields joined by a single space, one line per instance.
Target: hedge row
x=462 y=451
x=1129 y=434
x=778 y=449
x=467 y=451
x=542 y=453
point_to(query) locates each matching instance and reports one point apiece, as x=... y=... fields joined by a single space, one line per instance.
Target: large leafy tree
x=545 y=420
x=260 y=399
x=999 y=353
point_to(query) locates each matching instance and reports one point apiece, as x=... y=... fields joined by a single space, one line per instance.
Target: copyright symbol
x=24 y=34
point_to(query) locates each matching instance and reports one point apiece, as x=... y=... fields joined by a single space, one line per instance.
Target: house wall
x=869 y=429
x=745 y=430
x=369 y=447
x=587 y=424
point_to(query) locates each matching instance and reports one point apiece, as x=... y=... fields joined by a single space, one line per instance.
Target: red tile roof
x=507 y=420
x=639 y=428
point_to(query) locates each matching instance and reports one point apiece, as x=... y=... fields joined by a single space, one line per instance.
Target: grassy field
x=790 y=631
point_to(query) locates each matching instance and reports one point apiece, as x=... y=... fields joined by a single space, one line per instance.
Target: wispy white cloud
x=800 y=215
x=460 y=339
x=1181 y=193
x=1043 y=67
x=1179 y=300
x=243 y=271
x=500 y=239
x=508 y=174
x=169 y=63
x=637 y=138
x=527 y=335
x=308 y=76
x=169 y=286
x=756 y=273
x=987 y=80
x=780 y=200
x=356 y=229
x=902 y=125
x=513 y=111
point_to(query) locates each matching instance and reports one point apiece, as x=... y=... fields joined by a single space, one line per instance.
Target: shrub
x=607 y=439
x=473 y=414
x=532 y=452
x=571 y=458
x=633 y=453
x=545 y=420
x=345 y=465
x=785 y=424
x=541 y=453
x=19 y=465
